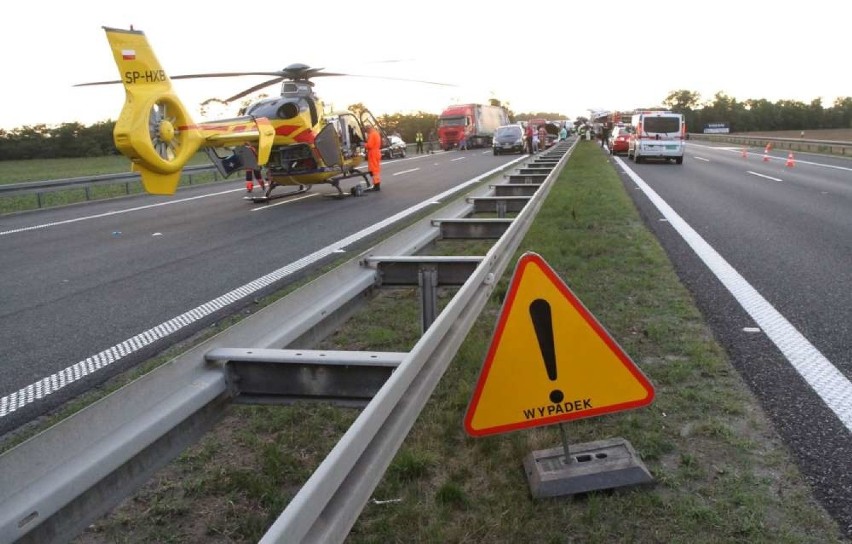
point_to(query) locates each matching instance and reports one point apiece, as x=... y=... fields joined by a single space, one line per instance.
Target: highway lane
x=89 y=291
x=787 y=232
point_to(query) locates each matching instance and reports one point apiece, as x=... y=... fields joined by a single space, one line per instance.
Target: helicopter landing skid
x=267 y=196
x=356 y=190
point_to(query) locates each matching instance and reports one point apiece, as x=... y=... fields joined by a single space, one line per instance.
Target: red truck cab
x=475 y=122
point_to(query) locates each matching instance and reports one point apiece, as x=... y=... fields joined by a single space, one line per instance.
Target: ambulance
x=657 y=135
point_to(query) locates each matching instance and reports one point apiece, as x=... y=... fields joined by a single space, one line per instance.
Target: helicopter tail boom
x=154 y=129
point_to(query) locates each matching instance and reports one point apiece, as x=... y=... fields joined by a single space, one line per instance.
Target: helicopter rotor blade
x=254 y=88
x=97 y=83
x=402 y=79
x=295 y=72
x=278 y=73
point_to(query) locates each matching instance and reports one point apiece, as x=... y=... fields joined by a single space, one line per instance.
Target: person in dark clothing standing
x=528 y=136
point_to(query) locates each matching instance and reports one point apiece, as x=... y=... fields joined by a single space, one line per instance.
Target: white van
x=657 y=135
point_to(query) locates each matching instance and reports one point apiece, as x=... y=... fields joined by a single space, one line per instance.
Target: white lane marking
x=830 y=384
x=701 y=159
x=51 y=384
x=117 y=212
x=457 y=159
x=288 y=201
x=406 y=171
x=758 y=174
x=772 y=157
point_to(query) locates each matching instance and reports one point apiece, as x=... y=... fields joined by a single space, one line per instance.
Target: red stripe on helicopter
x=305 y=137
x=222 y=128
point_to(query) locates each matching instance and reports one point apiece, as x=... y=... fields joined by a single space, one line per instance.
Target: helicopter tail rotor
x=156 y=131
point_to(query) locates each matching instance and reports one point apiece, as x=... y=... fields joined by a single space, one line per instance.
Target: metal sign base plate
x=591 y=466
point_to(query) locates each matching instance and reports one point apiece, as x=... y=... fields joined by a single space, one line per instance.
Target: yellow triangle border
x=527 y=259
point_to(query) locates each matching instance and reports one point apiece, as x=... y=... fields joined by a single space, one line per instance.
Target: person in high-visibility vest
x=419 y=139
x=374 y=156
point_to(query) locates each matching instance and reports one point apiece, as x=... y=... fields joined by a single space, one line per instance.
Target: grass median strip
x=721 y=474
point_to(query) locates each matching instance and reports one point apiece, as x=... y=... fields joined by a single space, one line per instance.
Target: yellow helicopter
x=290 y=135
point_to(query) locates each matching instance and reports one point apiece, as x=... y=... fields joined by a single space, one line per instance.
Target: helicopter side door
x=327 y=143
x=368 y=119
x=351 y=135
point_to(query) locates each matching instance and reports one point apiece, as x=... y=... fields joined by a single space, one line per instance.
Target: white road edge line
x=823 y=377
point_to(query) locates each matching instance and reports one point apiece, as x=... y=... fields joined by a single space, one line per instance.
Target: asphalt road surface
x=89 y=291
x=766 y=250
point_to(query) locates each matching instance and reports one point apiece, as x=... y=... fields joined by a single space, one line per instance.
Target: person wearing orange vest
x=374 y=156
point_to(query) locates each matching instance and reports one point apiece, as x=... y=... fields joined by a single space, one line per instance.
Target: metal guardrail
x=57 y=483
x=830 y=147
x=39 y=188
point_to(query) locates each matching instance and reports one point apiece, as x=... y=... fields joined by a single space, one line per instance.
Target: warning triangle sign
x=550 y=360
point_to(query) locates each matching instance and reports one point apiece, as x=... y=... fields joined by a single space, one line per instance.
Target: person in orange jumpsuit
x=374 y=156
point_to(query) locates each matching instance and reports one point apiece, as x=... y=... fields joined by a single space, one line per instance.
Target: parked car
x=508 y=139
x=619 y=140
x=395 y=148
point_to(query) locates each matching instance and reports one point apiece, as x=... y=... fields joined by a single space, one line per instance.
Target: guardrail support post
x=427 y=278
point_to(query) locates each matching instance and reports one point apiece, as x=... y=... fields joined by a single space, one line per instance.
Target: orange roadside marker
x=790 y=162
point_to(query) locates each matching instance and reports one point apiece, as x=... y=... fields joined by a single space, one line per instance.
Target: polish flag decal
x=128 y=54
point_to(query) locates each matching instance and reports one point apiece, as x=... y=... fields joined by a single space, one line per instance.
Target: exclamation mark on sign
x=543 y=324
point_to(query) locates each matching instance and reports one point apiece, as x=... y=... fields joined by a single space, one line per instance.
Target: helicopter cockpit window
x=350 y=135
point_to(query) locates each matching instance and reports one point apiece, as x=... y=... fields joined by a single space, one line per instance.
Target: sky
x=560 y=56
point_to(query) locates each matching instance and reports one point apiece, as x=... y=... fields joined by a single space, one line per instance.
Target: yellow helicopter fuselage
x=291 y=136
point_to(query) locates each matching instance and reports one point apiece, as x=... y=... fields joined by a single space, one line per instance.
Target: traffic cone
x=790 y=162
x=769 y=147
x=249 y=186
x=745 y=153
x=765 y=155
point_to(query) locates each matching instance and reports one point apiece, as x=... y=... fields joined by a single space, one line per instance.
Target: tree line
x=759 y=115
x=70 y=140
